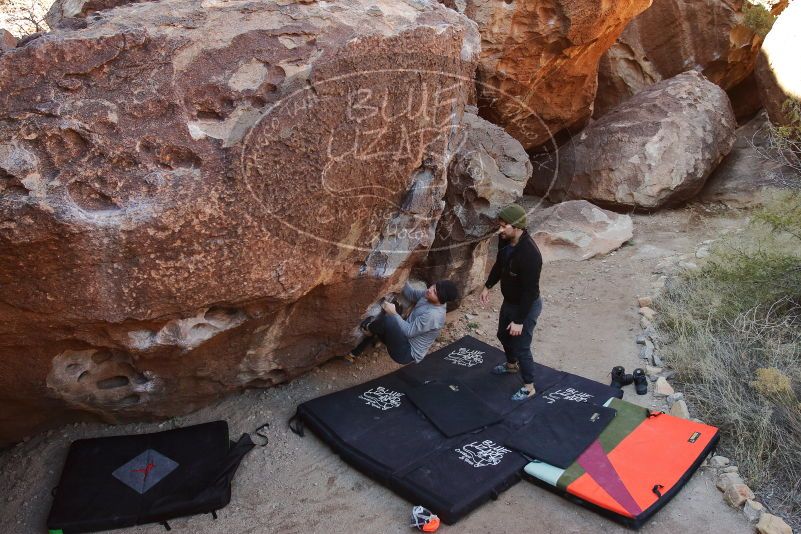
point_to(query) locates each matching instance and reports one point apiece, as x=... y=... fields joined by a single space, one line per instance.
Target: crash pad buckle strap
x=296 y=425
x=261 y=432
x=166 y=525
x=654 y=413
x=656 y=489
x=214 y=514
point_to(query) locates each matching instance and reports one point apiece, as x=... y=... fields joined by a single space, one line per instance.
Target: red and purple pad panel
x=635 y=466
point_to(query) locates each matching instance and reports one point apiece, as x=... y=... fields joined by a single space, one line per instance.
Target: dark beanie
x=446 y=291
x=515 y=215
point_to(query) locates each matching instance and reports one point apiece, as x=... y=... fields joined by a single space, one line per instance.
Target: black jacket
x=518 y=268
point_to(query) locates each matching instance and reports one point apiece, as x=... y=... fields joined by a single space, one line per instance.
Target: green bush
x=732 y=331
x=757 y=18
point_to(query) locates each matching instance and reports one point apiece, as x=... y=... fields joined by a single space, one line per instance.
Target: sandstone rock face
x=201 y=197
x=752 y=172
x=488 y=171
x=656 y=149
x=778 y=67
x=577 y=230
x=66 y=9
x=675 y=36
x=539 y=60
x=7 y=40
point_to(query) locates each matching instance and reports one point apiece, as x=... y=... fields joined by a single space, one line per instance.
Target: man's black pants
x=391 y=335
x=518 y=348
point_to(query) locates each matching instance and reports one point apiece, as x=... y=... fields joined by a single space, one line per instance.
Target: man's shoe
x=505 y=368
x=523 y=394
x=628 y=379
x=640 y=382
x=618 y=377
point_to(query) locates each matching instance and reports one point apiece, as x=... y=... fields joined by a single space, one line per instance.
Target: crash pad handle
x=657 y=489
x=261 y=432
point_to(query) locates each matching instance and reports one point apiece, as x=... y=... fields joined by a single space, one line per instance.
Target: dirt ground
x=294 y=484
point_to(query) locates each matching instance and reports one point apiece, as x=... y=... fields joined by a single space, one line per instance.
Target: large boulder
x=655 y=149
x=201 y=197
x=539 y=60
x=778 y=68
x=7 y=40
x=488 y=171
x=576 y=230
x=674 y=36
x=754 y=171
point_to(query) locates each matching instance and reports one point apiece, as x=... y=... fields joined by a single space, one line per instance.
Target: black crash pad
x=559 y=431
x=470 y=362
x=377 y=429
x=452 y=407
x=123 y=481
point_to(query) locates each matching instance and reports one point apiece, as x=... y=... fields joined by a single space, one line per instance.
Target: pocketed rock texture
x=539 y=60
x=201 y=197
x=779 y=67
x=674 y=36
x=656 y=149
x=577 y=230
x=488 y=171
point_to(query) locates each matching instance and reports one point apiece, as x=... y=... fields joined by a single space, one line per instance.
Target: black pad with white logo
x=561 y=428
x=450 y=455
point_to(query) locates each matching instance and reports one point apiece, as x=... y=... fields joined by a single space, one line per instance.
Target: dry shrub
x=783 y=140
x=24 y=17
x=732 y=331
x=771 y=383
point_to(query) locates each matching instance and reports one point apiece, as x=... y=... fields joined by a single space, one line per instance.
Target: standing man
x=408 y=340
x=517 y=266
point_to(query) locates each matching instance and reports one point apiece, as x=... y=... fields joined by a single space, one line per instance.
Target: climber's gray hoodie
x=422 y=326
